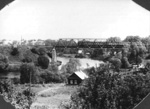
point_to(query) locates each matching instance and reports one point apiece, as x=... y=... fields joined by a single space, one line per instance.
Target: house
x=76 y=78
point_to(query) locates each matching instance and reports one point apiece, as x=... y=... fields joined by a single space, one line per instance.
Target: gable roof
x=81 y=74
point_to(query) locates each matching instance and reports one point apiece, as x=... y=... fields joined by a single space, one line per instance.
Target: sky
x=54 y=19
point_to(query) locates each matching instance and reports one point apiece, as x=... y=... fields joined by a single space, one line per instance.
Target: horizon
x=56 y=19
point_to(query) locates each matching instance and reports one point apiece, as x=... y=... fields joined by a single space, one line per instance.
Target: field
x=52 y=96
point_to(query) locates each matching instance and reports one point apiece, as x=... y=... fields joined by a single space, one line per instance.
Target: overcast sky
x=53 y=19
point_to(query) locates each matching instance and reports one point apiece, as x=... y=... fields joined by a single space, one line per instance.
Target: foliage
x=34 y=50
x=21 y=99
x=27 y=71
x=125 y=63
x=116 y=63
x=28 y=57
x=147 y=66
x=146 y=42
x=104 y=90
x=71 y=66
x=43 y=61
x=98 y=54
x=51 y=74
x=50 y=42
x=13 y=67
x=15 y=51
x=42 y=50
x=3 y=62
x=113 y=39
x=136 y=51
x=118 y=55
x=132 y=39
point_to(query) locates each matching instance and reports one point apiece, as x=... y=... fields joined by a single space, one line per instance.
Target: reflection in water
x=10 y=75
x=85 y=63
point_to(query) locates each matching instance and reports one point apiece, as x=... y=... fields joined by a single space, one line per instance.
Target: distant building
x=76 y=78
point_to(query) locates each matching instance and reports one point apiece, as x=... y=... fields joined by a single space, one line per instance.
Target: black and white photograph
x=74 y=54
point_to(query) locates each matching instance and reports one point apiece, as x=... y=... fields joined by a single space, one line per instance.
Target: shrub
x=50 y=76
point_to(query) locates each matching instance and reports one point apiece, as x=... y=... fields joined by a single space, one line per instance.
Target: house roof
x=81 y=74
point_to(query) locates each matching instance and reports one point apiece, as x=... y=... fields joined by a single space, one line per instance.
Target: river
x=85 y=63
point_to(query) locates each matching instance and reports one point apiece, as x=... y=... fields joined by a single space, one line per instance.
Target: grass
x=65 y=90
x=55 y=95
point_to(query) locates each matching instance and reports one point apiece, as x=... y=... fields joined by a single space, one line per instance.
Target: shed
x=76 y=78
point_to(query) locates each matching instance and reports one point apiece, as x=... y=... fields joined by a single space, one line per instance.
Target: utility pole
x=30 y=90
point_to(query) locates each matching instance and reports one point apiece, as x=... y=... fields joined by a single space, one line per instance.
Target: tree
x=42 y=50
x=43 y=61
x=49 y=76
x=28 y=56
x=132 y=39
x=71 y=66
x=50 y=43
x=28 y=70
x=125 y=63
x=136 y=50
x=146 y=42
x=116 y=63
x=98 y=54
x=3 y=62
x=113 y=39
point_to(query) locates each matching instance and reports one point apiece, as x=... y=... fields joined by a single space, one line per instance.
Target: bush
x=50 y=76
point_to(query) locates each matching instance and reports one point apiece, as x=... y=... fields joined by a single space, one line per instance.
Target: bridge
x=88 y=43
